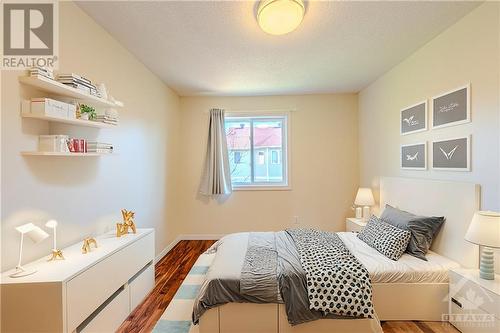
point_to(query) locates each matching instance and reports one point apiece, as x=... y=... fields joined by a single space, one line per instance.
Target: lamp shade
x=51 y=224
x=364 y=197
x=484 y=229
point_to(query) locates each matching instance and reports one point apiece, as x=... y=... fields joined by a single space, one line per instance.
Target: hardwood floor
x=172 y=270
x=169 y=274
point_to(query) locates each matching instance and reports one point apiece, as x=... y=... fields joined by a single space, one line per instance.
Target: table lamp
x=56 y=253
x=484 y=230
x=365 y=198
x=36 y=234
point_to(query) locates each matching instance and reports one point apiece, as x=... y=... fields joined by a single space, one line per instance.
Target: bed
x=408 y=289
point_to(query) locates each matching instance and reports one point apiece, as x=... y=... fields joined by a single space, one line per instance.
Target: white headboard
x=453 y=200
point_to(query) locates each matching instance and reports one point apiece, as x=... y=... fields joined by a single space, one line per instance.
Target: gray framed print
x=451 y=108
x=451 y=154
x=414 y=118
x=414 y=156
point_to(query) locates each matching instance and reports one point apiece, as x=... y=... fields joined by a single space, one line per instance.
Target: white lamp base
x=20 y=272
x=487 y=264
x=366 y=212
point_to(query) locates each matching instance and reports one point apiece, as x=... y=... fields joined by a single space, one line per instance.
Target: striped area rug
x=177 y=316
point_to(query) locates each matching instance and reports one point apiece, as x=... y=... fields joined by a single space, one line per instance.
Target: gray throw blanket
x=286 y=267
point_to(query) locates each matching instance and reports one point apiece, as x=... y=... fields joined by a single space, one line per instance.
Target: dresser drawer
x=111 y=314
x=468 y=318
x=462 y=288
x=141 y=285
x=87 y=291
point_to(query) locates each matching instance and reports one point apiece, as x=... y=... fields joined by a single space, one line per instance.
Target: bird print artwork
x=412 y=158
x=449 y=155
x=411 y=121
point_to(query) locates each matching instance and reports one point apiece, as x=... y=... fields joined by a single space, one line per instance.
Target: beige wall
x=466 y=52
x=86 y=194
x=324 y=167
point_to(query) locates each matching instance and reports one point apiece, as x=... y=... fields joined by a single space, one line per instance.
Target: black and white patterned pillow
x=385 y=238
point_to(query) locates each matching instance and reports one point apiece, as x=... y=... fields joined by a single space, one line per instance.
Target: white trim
x=455 y=123
x=262 y=188
x=469 y=153
x=410 y=145
x=166 y=250
x=201 y=236
x=425 y=102
x=182 y=237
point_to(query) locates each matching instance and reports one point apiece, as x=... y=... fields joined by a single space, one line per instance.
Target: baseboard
x=185 y=237
x=167 y=249
x=201 y=236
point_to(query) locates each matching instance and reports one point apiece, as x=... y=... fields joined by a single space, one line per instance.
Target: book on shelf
x=73 y=76
x=100 y=150
x=38 y=72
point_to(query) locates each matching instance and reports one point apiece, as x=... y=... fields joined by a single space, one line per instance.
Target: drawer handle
x=456 y=302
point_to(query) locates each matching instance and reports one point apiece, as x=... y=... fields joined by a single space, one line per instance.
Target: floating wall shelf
x=78 y=122
x=50 y=153
x=57 y=88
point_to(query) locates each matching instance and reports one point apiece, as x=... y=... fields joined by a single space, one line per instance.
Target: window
x=275 y=157
x=237 y=157
x=262 y=158
x=258 y=150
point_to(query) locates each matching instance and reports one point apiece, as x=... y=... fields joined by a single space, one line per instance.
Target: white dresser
x=91 y=292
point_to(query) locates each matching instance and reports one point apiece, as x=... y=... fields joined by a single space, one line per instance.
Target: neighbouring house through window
x=257 y=148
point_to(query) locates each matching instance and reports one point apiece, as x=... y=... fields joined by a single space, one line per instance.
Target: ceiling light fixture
x=279 y=17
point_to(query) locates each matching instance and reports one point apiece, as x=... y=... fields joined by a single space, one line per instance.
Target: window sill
x=262 y=188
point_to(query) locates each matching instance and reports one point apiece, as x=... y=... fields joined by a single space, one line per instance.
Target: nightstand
x=474 y=303
x=354 y=224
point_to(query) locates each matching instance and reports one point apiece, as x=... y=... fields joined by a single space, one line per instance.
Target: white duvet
x=407 y=269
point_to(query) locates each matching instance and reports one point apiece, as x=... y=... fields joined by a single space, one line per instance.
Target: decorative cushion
x=423 y=229
x=385 y=238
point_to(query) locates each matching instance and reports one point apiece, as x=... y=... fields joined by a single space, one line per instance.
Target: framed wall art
x=451 y=108
x=413 y=118
x=452 y=154
x=414 y=156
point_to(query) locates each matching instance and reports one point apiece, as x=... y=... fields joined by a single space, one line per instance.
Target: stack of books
x=42 y=71
x=79 y=82
x=109 y=117
x=99 y=147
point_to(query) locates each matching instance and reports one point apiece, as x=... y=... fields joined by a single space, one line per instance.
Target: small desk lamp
x=365 y=198
x=56 y=253
x=36 y=234
x=484 y=230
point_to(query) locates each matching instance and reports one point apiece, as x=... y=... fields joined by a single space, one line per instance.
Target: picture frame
x=413 y=156
x=413 y=118
x=451 y=108
x=452 y=154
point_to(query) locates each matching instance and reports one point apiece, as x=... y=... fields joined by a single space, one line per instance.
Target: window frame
x=285 y=154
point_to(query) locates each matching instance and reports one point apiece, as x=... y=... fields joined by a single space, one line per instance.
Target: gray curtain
x=216 y=179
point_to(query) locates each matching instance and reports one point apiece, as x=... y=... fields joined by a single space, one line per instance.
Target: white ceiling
x=217 y=48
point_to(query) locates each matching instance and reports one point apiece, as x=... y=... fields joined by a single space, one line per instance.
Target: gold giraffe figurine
x=56 y=254
x=87 y=242
x=128 y=222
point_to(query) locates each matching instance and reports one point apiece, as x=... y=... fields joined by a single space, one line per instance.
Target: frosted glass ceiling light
x=279 y=17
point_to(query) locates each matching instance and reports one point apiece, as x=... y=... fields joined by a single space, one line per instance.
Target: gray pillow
x=423 y=229
x=385 y=238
